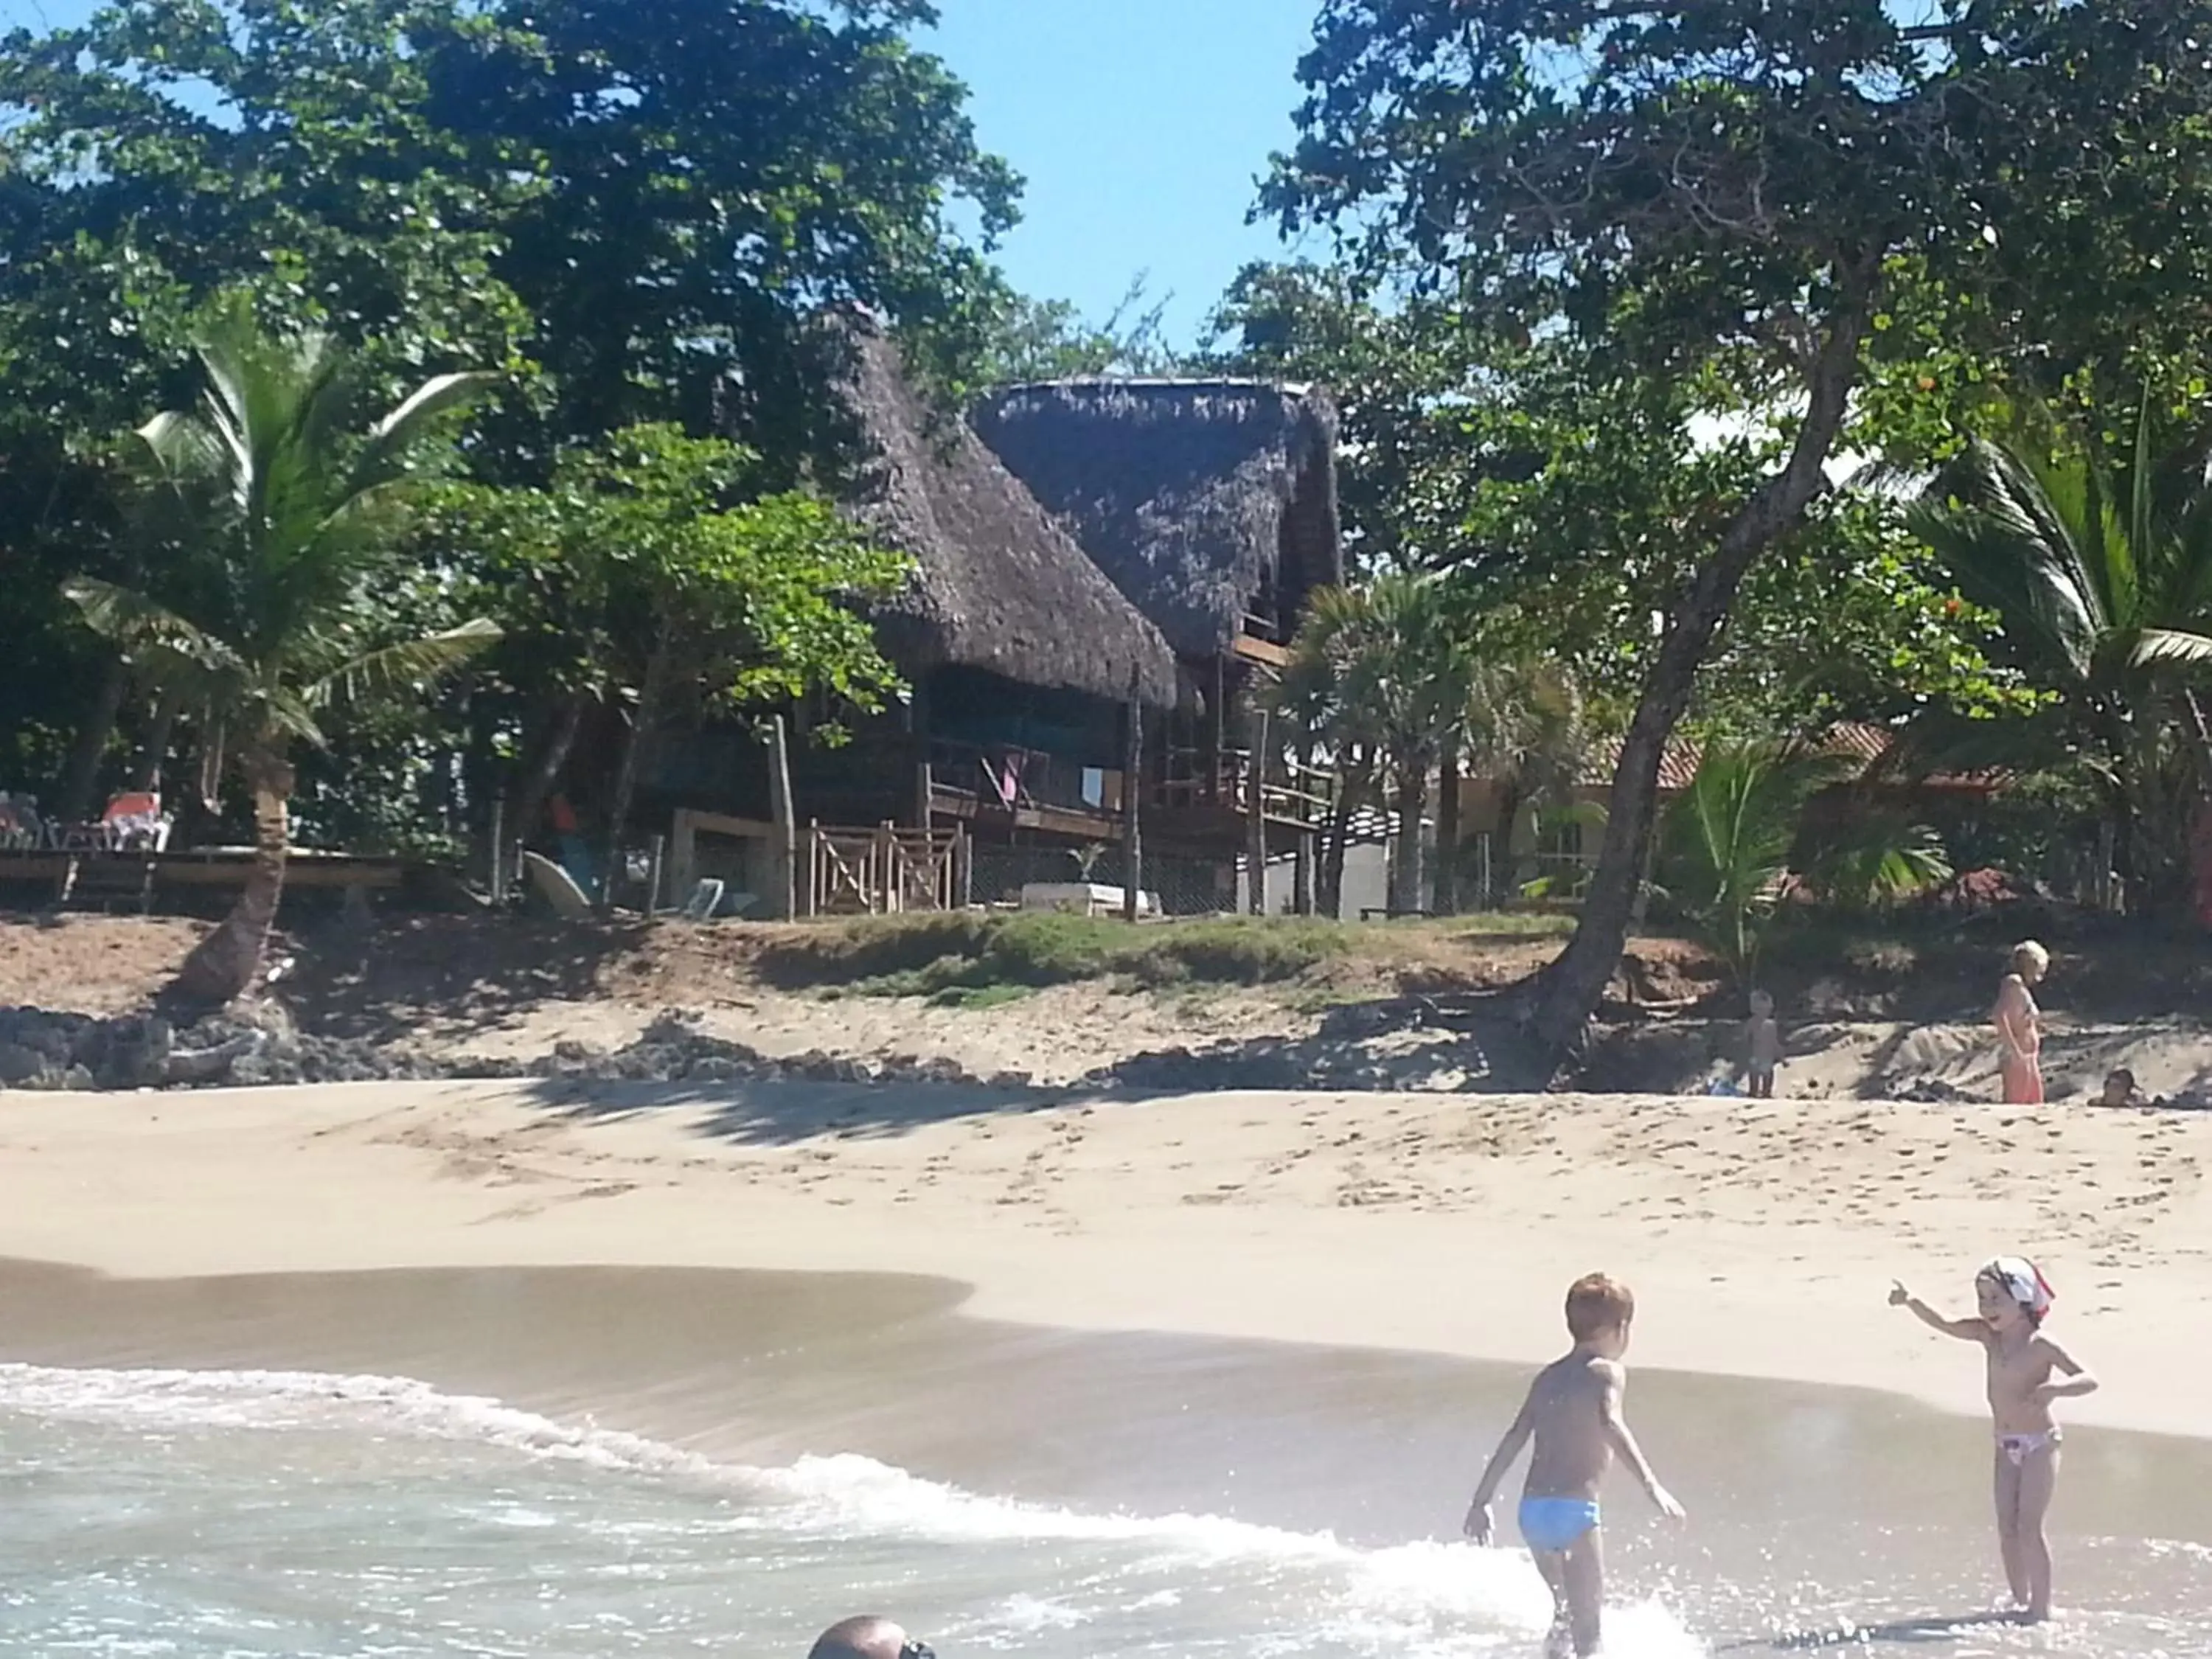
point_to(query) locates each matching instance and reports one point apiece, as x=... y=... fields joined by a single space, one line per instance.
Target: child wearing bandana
x=2027 y=1370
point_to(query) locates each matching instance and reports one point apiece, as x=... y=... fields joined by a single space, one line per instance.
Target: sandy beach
x=1760 y=1237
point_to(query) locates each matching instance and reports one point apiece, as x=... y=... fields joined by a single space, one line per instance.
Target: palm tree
x=1525 y=726
x=290 y=519
x=1381 y=676
x=1725 y=842
x=2100 y=577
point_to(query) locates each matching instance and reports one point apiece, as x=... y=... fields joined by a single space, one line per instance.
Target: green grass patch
x=932 y=956
x=980 y=996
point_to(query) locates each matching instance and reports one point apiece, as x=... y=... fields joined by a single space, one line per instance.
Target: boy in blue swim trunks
x=1573 y=1414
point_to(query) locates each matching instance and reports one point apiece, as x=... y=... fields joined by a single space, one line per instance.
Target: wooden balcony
x=1219 y=781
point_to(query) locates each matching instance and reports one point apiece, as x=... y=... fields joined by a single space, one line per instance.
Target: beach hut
x=1212 y=505
x=1026 y=665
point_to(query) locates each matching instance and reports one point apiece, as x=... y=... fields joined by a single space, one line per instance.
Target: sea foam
x=1399 y=1597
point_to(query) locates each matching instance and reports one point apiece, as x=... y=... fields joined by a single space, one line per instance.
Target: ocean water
x=233 y=1513
x=207 y=1514
x=816 y=1446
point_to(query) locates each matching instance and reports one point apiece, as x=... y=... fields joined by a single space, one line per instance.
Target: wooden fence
x=885 y=870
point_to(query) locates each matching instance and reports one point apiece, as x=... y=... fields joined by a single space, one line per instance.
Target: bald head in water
x=868 y=1637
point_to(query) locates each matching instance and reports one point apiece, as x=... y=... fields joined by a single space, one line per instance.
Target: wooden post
x=1255 y=810
x=499 y=851
x=654 y=871
x=918 y=724
x=683 y=857
x=1217 y=734
x=1133 y=795
x=783 y=878
x=1301 y=867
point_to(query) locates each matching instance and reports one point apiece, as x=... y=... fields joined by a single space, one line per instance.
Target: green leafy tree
x=1051 y=340
x=290 y=518
x=716 y=172
x=652 y=573
x=1768 y=191
x=2099 y=573
x=631 y=213
x=281 y=148
x=1556 y=487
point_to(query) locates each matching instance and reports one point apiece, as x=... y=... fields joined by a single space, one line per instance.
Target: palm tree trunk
x=1504 y=871
x=155 y=753
x=224 y=964
x=1349 y=790
x=1448 y=847
x=650 y=694
x=1412 y=799
x=83 y=777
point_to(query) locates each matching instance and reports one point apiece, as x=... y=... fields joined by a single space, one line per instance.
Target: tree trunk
x=1330 y=899
x=155 y=753
x=1412 y=799
x=650 y=693
x=1448 y=847
x=1132 y=798
x=224 y=964
x=1571 y=987
x=1256 y=816
x=552 y=760
x=83 y=777
x=1504 y=871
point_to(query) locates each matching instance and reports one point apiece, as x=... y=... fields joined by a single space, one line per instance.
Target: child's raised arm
x=1616 y=1430
x=1478 y=1525
x=2078 y=1380
x=1966 y=1330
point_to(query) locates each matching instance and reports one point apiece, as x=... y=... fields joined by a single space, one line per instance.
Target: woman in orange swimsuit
x=2019 y=1026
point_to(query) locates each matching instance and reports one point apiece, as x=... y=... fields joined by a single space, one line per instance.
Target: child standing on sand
x=2020 y=1025
x=2026 y=1368
x=1573 y=1414
x=1762 y=1042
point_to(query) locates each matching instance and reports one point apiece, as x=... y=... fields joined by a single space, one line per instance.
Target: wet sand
x=1760 y=1237
x=1811 y=1506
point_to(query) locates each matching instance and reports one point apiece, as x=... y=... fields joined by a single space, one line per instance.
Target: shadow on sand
x=779 y=1113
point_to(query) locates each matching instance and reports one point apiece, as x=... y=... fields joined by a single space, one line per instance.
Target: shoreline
x=1760 y=1236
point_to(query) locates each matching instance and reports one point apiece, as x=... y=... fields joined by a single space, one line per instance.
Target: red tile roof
x=1855 y=741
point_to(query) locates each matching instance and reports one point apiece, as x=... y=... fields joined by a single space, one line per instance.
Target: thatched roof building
x=1207 y=501
x=999 y=586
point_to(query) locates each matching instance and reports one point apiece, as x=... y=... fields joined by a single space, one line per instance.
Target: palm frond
x=383 y=458
x=2177 y=646
x=182 y=449
x=405 y=666
x=137 y=623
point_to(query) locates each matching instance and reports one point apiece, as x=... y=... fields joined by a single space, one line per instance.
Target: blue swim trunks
x=1553 y=1524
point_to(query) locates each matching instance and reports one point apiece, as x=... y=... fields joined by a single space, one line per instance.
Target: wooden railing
x=1289 y=793
x=885 y=870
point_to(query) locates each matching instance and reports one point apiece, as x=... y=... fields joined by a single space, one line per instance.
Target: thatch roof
x=1203 y=499
x=998 y=586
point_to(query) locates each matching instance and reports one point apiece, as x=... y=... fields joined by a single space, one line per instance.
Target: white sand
x=1760 y=1237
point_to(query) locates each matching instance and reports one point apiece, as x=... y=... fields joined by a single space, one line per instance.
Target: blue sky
x=1139 y=125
